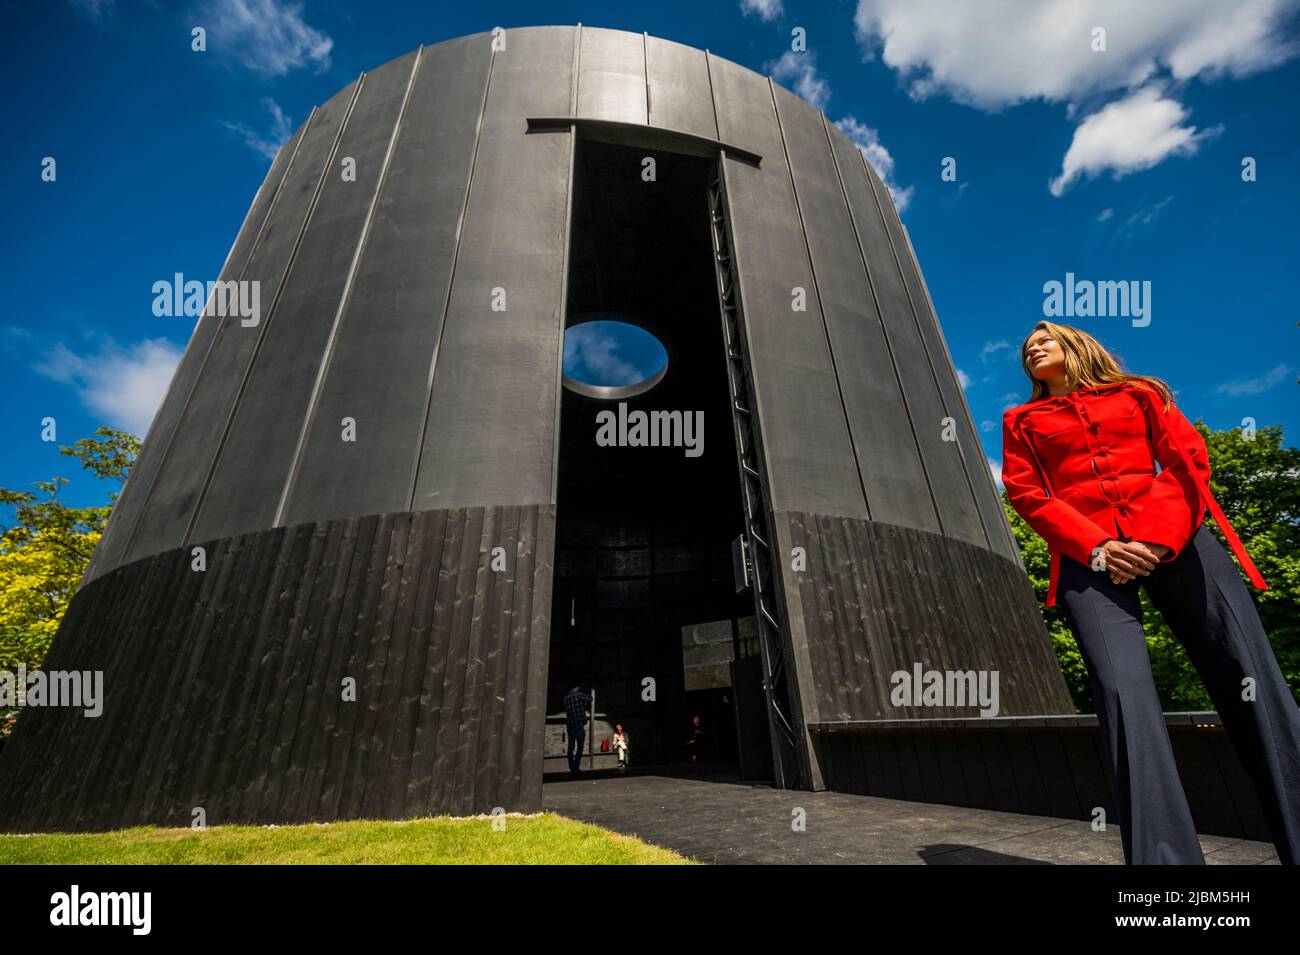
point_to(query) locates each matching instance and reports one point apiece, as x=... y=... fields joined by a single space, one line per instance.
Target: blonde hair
x=1086 y=362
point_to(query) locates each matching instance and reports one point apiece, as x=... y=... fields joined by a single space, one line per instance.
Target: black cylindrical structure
x=374 y=469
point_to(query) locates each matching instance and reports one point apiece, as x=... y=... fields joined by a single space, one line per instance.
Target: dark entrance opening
x=645 y=607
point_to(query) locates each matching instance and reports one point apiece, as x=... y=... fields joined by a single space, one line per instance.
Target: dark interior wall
x=644 y=533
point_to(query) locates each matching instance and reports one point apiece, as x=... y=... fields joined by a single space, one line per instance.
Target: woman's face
x=1044 y=355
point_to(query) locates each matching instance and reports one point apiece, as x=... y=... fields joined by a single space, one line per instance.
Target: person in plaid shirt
x=575 y=708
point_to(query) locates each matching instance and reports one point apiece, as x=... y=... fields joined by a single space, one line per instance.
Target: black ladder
x=787 y=765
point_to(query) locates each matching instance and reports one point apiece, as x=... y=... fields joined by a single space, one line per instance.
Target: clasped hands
x=1128 y=559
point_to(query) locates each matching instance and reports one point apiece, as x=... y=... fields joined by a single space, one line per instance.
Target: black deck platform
x=708 y=814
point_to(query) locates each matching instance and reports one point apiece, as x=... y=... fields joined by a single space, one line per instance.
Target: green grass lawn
x=538 y=839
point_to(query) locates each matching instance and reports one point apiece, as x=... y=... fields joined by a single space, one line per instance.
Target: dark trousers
x=1204 y=600
x=576 y=735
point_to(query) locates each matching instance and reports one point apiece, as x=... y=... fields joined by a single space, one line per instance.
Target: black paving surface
x=708 y=814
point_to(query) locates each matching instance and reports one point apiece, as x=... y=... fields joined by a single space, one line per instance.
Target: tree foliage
x=45 y=547
x=1257 y=481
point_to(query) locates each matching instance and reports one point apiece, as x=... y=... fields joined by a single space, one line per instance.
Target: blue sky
x=1115 y=164
x=610 y=352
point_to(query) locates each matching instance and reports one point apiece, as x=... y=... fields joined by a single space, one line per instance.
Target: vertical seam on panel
x=925 y=288
x=275 y=201
x=713 y=97
x=884 y=331
x=451 y=281
x=916 y=319
x=564 y=267
x=821 y=306
x=345 y=298
x=171 y=385
x=645 y=71
x=257 y=242
x=575 y=64
x=270 y=315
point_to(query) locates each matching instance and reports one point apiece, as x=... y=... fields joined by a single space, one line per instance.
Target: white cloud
x=123 y=385
x=963 y=378
x=988 y=425
x=868 y=140
x=267 y=36
x=766 y=10
x=995 y=468
x=1011 y=399
x=1257 y=385
x=1105 y=215
x=1129 y=135
x=1145 y=216
x=799 y=72
x=265 y=144
x=992 y=348
x=997 y=53
x=592 y=353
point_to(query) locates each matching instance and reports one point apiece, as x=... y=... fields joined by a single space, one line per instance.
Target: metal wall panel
x=126 y=512
x=611 y=76
x=383 y=351
x=886 y=449
x=492 y=418
x=946 y=479
x=805 y=437
x=954 y=480
x=680 y=97
x=1000 y=536
x=254 y=462
x=184 y=470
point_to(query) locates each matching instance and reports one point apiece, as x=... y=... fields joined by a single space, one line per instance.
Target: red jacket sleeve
x=1172 y=508
x=1063 y=527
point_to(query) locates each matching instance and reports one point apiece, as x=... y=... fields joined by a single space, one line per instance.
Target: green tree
x=45 y=550
x=1257 y=481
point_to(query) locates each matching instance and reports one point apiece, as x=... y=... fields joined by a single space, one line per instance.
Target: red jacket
x=1079 y=469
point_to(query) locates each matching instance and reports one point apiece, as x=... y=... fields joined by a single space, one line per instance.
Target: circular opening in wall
x=609 y=359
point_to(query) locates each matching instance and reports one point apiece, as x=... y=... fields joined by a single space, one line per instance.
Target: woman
x=1077 y=463
x=620 y=745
